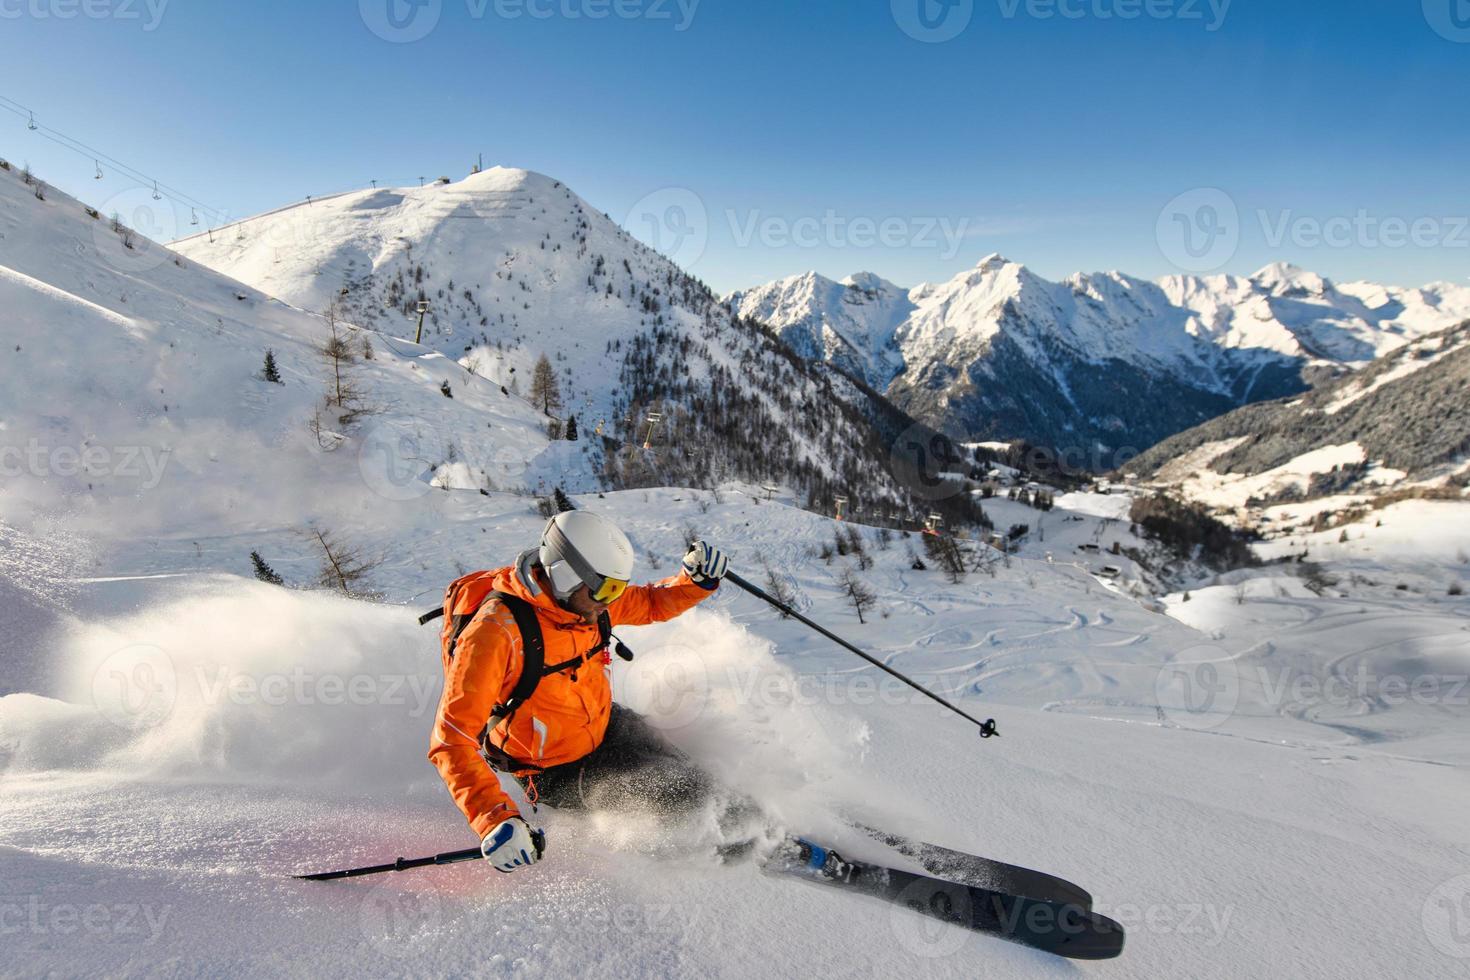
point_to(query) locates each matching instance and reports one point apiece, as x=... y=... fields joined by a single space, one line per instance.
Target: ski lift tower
x=654 y=418
x=770 y=490
x=418 y=337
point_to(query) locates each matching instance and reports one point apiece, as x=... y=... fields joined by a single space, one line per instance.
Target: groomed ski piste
x=177 y=738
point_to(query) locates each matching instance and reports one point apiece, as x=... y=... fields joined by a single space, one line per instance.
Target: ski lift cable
x=77 y=146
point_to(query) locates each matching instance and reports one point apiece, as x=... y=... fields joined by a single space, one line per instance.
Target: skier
x=525 y=651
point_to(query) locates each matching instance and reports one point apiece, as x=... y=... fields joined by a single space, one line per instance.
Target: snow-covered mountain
x=1399 y=425
x=849 y=323
x=132 y=384
x=514 y=265
x=1108 y=360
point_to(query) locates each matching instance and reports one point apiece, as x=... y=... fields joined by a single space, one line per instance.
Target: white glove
x=512 y=844
x=705 y=564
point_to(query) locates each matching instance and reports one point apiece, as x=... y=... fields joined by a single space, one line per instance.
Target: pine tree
x=545 y=390
x=263 y=571
x=572 y=429
x=269 y=372
x=563 y=503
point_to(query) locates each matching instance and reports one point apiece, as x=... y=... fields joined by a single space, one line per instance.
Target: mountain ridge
x=512 y=265
x=1000 y=352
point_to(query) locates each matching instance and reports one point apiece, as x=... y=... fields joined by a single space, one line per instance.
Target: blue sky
x=837 y=136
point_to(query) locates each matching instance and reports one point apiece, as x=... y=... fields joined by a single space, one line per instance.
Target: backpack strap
x=533 y=657
x=533 y=647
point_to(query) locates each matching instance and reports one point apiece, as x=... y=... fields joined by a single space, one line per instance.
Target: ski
x=1061 y=928
x=971 y=869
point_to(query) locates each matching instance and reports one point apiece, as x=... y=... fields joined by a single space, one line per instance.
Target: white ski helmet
x=578 y=548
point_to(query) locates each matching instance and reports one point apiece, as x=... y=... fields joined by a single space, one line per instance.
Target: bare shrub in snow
x=345 y=567
x=857 y=592
x=779 y=587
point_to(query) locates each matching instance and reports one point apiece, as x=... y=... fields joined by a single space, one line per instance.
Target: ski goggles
x=603 y=588
x=609 y=590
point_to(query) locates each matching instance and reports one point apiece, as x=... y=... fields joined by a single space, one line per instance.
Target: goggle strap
x=589 y=576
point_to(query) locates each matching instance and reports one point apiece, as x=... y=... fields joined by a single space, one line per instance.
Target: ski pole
x=403 y=864
x=987 y=727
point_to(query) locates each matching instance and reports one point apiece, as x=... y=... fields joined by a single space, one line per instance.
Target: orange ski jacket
x=564 y=719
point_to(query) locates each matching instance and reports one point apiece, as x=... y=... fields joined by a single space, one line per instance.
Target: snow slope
x=132 y=393
x=176 y=738
x=514 y=265
x=186 y=808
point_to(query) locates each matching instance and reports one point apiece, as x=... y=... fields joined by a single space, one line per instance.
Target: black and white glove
x=512 y=844
x=705 y=565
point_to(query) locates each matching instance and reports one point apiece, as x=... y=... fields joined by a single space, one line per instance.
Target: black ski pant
x=634 y=769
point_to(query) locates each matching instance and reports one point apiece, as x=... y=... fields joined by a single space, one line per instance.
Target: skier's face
x=582 y=603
